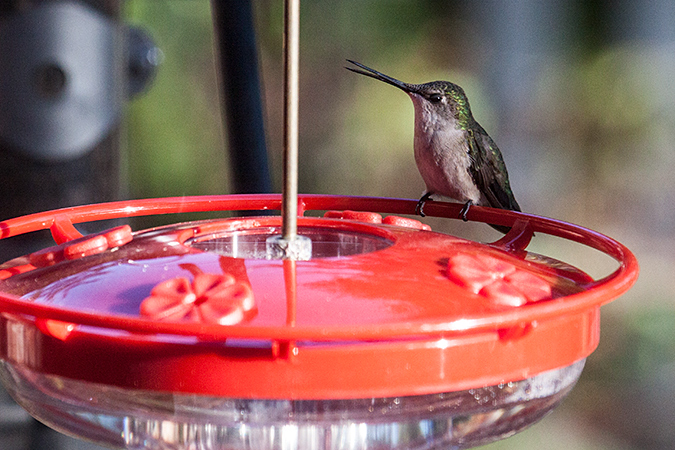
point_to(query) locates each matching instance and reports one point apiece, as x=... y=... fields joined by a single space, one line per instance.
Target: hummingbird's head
x=437 y=101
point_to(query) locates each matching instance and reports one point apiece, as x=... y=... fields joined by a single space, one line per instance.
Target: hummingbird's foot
x=419 y=209
x=465 y=210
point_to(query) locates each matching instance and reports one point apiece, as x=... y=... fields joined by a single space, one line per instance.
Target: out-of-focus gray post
x=62 y=87
x=66 y=69
x=525 y=37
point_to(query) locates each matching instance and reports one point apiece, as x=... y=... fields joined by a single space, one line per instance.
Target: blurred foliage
x=175 y=142
x=587 y=135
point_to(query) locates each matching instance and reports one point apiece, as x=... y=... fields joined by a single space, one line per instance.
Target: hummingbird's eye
x=435 y=98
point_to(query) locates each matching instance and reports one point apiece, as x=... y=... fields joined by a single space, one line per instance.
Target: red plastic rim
x=310 y=361
x=603 y=291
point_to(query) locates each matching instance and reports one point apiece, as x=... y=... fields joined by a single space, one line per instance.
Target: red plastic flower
x=496 y=279
x=209 y=298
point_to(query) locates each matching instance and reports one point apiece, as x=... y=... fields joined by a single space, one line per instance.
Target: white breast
x=441 y=156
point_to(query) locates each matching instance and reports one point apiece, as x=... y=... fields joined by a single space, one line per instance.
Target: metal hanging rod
x=291 y=75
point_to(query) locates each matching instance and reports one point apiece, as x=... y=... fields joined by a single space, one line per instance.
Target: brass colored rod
x=291 y=74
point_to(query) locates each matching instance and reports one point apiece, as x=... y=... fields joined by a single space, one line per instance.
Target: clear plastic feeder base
x=124 y=418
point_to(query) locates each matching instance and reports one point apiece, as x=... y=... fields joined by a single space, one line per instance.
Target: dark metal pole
x=243 y=118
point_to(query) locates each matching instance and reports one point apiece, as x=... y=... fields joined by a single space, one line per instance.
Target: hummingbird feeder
x=359 y=328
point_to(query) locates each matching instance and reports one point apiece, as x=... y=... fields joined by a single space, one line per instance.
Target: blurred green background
x=578 y=95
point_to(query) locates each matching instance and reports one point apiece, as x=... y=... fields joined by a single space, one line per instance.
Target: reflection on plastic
x=159 y=421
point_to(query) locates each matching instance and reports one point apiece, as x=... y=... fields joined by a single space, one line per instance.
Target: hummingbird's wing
x=489 y=171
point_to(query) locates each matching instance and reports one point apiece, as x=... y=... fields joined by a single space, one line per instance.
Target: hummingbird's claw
x=465 y=210
x=419 y=209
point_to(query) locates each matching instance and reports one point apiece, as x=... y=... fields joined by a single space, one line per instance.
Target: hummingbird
x=454 y=154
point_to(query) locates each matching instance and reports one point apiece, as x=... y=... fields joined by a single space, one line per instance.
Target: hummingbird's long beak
x=367 y=71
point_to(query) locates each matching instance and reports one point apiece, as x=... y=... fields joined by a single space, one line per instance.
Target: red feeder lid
x=385 y=307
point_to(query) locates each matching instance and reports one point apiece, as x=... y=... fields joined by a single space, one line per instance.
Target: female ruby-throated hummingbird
x=454 y=154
